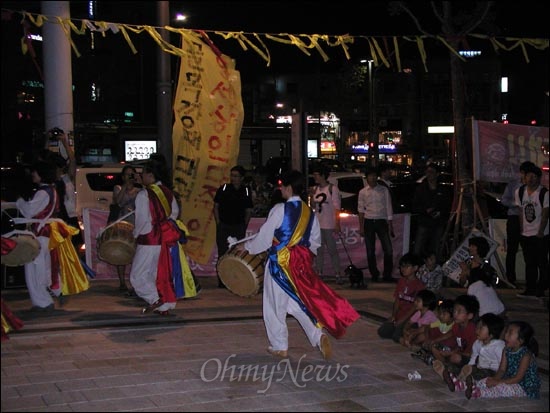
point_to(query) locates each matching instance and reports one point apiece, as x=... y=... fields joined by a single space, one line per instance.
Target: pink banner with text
x=500 y=148
x=95 y=220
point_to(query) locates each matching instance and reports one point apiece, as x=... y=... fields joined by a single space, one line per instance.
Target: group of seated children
x=479 y=354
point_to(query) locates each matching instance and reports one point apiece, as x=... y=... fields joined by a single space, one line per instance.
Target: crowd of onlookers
x=469 y=341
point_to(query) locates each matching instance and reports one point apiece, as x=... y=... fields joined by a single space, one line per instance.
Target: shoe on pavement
x=527 y=294
x=48 y=309
x=61 y=299
x=469 y=387
x=130 y=293
x=162 y=313
x=152 y=307
x=278 y=353
x=325 y=347
x=448 y=379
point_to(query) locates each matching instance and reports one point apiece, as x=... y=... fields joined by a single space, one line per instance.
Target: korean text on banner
x=209 y=113
x=500 y=148
x=451 y=268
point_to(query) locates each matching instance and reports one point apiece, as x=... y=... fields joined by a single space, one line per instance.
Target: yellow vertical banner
x=209 y=114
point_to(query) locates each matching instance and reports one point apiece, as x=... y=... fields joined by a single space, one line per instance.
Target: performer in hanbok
x=57 y=270
x=160 y=272
x=291 y=236
x=10 y=322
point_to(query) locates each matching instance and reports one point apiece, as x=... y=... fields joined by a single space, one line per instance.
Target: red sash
x=164 y=234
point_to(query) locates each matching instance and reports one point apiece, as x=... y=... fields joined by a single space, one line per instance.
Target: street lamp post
x=373 y=133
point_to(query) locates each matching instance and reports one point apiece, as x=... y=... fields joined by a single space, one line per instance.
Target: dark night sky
x=526 y=19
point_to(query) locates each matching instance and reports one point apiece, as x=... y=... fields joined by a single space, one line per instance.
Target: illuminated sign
x=382 y=148
x=137 y=150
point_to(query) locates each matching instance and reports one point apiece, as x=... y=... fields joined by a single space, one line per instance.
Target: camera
x=55 y=132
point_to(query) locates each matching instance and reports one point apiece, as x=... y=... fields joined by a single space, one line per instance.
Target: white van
x=94 y=185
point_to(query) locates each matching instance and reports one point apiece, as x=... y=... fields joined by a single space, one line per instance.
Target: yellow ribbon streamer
x=303 y=42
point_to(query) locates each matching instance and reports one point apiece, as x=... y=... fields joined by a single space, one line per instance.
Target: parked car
x=333 y=165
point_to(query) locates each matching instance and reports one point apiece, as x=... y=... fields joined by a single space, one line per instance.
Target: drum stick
x=8 y=205
x=115 y=222
x=233 y=242
x=17 y=232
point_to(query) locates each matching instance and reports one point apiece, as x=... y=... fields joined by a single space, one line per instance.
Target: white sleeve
x=315 y=237
x=35 y=205
x=143 y=214
x=264 y=238
x=336 y=199
x=475 y=352
x=175 y=209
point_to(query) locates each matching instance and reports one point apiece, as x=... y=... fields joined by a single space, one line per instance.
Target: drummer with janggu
x=49 y=273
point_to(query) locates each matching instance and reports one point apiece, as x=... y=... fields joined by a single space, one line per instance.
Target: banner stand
x=455 y=215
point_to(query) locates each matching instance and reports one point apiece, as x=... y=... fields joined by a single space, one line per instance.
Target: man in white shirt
x=375 y=211
x=512 y=221
x=326 y=204
x=532 y=199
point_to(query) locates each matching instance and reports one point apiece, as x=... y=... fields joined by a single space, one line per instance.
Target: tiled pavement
x=98 y=353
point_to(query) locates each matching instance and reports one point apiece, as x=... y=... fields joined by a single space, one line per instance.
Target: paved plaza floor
x=98 y=353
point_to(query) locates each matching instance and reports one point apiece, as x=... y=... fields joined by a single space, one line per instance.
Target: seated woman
x=478 y=275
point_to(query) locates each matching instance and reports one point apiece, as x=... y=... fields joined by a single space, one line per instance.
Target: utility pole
x=58 y=75
x=373 y=132
x=164 y=88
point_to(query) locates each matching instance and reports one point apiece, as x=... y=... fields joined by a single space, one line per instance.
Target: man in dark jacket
x=432 y=205
x=232 y=211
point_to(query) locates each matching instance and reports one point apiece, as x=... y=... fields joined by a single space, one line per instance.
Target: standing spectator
x=518 y=374
x=261 y=193
x=326 y=204
x=404 y=296
x=479 y=276
x=124 y=202
x=532 y=199
x=432 y=204
x=376 y=219
x=431 y=273
x=384 y=173
x=291 y=235
x=513 y=232
x=232 y=211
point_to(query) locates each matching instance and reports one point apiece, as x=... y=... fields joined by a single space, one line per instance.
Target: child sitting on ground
x=404 y=294
x=437 y=329
x=431 y=273
x=464 y=331
x=486 y=353
x=415 y=330
x=480 y=276
x=518 y=374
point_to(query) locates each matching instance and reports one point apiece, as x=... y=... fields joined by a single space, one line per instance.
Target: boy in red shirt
x=465 y=311
x=404 y=295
